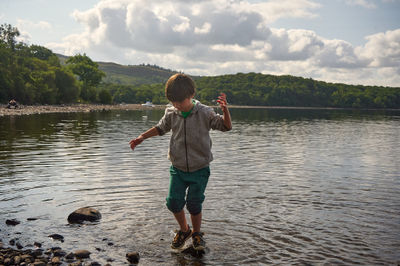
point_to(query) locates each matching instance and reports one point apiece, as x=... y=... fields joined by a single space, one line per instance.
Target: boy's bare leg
x=196 y=222
x=181 y=219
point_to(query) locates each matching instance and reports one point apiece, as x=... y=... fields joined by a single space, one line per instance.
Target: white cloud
x=27 y=26
x=294 y=44
x=340 y=54
x=203 y=29
x=364 y=3
x=228 y=36
x=383 y=48
x=370 y=4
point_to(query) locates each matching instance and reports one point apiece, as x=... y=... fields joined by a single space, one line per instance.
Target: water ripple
x=299 y=188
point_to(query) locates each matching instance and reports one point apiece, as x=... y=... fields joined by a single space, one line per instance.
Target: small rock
x=39 y=263
x=37 y=244
x=57 y=237
x=70 y=256
x=48 y=252
x=56 y=261
x=31 y=219
x=17 y=260
x=95 y=263
x=27 y=258
x=133 y=257
x=59 y=253
x=110 y=244
x=78 y=263
x=37 y=252
x=19 y=246
x=82 y=254
x=84 y=214
x=12 y=242
x=12 y=222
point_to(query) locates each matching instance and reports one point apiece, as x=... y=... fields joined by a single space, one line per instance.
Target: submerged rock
x=19 y=245
x=133 y=257
x=57 y=237
x=84 y=214
x=82 y=254
x=12 y=222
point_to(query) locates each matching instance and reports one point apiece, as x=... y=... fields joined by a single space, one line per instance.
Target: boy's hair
x=179 y=87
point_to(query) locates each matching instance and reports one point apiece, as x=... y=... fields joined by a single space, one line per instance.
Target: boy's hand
x=133 y=143
x=222 y=101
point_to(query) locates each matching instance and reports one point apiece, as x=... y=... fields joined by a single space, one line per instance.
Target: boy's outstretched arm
x=148 y=134
x=224 y=106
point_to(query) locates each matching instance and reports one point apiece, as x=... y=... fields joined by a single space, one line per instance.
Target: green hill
x=134 y=75
x=130 y=74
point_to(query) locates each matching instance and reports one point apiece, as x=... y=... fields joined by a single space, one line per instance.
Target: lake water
x=287 y=186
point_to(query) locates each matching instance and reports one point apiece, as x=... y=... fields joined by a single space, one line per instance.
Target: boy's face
x=185 y=105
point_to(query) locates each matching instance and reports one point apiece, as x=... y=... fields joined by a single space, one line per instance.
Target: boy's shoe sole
x=184 y=241
x=199 y=248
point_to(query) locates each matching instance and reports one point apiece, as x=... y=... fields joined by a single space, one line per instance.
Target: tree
x=68 y=87
x=8 y=35
x=89 y=75
x=105 y=97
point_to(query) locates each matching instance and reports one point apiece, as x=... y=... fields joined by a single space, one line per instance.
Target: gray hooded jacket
x=190 y=143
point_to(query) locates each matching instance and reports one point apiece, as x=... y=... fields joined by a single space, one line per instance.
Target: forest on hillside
x=267 y=90
x=32 y=74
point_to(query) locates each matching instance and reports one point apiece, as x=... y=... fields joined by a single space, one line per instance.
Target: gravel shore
x=42 y=109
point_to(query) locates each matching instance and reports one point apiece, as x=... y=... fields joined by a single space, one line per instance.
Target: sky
x=345 y=41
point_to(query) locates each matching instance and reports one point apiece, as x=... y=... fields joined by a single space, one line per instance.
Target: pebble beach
x=42 y=109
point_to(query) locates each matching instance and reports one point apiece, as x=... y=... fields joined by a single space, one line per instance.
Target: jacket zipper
x=187 y=160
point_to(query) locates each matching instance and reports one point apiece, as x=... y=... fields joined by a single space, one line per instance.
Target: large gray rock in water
x=84 y=214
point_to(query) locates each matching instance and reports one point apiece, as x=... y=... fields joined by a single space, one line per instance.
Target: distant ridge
x=134 y=74
x=131 y=74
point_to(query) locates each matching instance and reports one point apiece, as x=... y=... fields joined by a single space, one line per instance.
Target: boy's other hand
x=133 y=143
x=222 y=101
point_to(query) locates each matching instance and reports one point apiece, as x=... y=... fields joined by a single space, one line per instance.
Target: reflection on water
x=288 y=186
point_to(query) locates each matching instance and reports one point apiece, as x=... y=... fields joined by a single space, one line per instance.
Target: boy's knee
x=175 y=205
x=193 y=207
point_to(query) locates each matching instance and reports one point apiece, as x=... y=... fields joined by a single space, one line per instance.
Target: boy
x=189 y=153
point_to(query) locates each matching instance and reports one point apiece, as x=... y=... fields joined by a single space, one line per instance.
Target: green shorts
x=194 y=183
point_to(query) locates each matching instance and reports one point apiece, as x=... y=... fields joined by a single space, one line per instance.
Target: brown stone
x=56 y=260
x=82 y=254
x=133 y=257
x=84 y=214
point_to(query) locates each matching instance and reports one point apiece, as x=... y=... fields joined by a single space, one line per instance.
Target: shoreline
x=71 y=108
x=85 y=108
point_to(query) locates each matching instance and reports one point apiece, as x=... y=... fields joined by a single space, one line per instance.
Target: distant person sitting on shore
x=189 y=152
x=12 y=103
